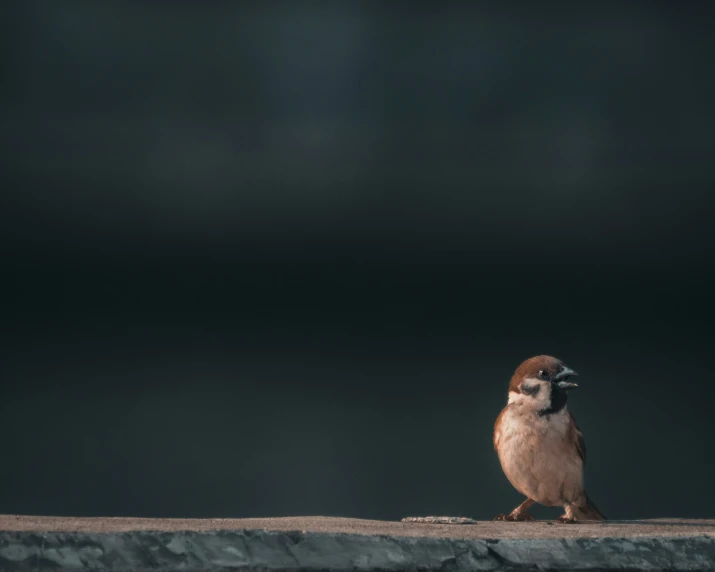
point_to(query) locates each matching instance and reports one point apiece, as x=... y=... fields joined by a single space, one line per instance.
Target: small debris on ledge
x=439 y=520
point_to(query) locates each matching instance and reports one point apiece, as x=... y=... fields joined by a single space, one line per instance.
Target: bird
x=541 y=449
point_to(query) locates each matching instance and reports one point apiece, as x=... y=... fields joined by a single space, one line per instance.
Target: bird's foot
x=515 y=517
x=566 y=520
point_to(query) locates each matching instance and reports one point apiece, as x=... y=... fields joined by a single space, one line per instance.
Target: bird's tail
x=589 y=511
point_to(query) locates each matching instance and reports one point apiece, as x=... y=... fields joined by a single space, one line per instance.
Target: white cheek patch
x=532 y=390
x=530 y=397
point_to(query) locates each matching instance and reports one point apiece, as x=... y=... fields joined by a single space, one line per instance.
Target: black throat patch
x=558 y=401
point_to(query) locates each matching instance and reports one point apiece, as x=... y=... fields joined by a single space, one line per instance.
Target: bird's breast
x=537 y=456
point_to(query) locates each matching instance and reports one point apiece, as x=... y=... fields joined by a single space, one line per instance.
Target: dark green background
x=264 y=259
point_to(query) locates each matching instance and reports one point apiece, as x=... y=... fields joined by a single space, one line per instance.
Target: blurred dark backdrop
x=281 y=258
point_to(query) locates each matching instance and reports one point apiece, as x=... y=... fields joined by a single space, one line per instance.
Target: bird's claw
x=518 y=517
x=566 y=520
x=523 y=517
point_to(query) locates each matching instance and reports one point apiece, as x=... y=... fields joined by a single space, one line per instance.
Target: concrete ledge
x=316 y=543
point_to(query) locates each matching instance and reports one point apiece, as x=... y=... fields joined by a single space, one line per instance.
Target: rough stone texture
x=315 y=543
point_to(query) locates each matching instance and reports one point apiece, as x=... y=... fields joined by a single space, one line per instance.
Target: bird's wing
x=577 y=438
x=497 y=429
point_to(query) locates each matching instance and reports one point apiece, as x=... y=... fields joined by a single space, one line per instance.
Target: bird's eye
x=543 y=374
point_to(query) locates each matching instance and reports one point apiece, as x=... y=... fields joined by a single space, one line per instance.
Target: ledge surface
x=320 y=543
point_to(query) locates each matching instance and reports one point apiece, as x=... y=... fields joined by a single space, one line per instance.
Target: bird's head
x=541 y=383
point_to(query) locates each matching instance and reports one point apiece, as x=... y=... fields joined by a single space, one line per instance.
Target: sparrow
x=540 y=447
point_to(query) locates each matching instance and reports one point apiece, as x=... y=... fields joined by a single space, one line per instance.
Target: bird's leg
x=519 y=513
x=568 y=517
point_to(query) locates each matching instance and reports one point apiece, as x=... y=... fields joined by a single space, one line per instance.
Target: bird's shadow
x=661 y=522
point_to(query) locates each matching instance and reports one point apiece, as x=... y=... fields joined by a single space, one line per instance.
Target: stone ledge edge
x=278 y=550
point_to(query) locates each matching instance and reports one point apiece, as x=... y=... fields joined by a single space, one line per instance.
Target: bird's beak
x=566 y=385
x=562 y=376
